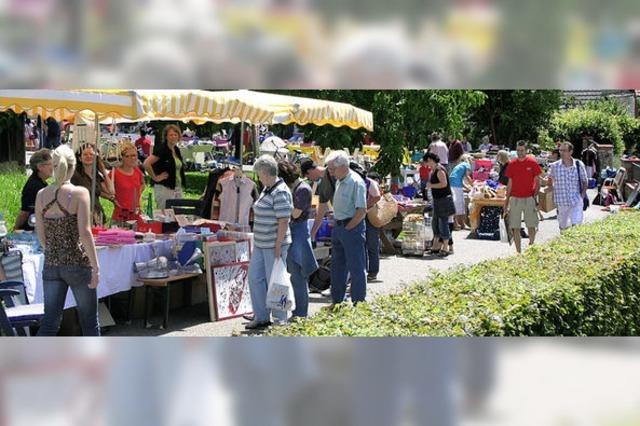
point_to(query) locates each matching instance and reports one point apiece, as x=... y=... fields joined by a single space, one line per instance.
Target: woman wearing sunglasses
x=128 y=181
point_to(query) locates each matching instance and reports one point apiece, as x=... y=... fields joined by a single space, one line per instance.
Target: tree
x=401 y=118
x=575 y=124
x=389 y=132
x=629 y=126
x=444 y=111
x=12 y=144
x=511 y=115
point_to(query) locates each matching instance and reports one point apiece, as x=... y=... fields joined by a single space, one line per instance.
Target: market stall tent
x=302 y=111
x=199 y=106
x=65 y=104
x=234 y=106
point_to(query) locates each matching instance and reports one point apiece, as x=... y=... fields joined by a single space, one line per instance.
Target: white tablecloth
x=116 y=269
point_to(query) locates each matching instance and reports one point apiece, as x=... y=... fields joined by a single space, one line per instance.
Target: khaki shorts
x=523 y=206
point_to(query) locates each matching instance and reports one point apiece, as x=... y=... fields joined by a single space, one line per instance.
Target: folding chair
x=21 y=314
x=5 y=325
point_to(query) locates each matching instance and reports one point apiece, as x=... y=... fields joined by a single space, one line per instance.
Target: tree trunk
x=494 y=135
x=12 y=144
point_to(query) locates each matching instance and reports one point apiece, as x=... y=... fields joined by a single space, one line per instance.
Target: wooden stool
x=163 y=283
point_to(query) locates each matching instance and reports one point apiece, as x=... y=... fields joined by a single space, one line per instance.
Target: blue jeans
x=440 y=226
x=56 y=281
x=262 y=262
x=373 y=249
x=301 y=263
x=348 y=256
x=300 y=283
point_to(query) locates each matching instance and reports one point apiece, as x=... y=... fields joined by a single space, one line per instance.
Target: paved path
x=396 y=272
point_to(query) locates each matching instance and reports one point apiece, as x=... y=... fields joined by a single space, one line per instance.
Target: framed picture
x=220 y=253
x=243 y=251
x=229 y=295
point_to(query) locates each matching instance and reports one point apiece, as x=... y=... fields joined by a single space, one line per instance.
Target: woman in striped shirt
x=271 y=236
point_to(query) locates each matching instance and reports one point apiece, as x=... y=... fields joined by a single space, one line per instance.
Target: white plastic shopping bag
x=280 y=294
x=504 y=236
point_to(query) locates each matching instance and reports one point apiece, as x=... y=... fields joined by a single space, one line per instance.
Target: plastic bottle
x=149 y=207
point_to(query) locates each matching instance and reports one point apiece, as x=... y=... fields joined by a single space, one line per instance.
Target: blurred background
x=252 y=381
x=379 y=44
x=312 y=44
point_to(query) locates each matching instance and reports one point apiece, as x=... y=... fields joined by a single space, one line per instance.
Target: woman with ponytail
x=63 y=225
x=85 y=157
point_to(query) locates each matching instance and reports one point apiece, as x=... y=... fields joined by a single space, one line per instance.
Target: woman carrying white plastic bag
x=280 y=295
x=271 y=237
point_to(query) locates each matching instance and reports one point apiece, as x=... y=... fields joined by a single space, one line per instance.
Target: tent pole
x=256 y=141
x=95 y=166
x=240 y=148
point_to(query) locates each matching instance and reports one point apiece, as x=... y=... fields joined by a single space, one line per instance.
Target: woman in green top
x=166 y=168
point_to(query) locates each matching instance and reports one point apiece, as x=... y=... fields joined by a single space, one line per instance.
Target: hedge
x=196 y=182
x=584 y=283
x=571 y=125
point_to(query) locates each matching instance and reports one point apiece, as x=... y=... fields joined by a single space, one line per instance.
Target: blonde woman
x=85 y=156
x=63 y=226
x=166 y=168
x=503 y=161
x=128 y=182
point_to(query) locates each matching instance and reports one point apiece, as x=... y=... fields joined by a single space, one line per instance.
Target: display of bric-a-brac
x=221 y=253
x=243 y=251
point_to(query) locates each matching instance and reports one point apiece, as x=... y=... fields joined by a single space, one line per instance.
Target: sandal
x=442 y=253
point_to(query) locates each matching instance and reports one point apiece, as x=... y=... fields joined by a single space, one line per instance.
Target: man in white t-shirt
x=373 y=233
x=440 y=149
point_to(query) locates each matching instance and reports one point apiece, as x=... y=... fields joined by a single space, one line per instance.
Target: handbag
x=444 y=207
x=383 y=211
x=585 y=199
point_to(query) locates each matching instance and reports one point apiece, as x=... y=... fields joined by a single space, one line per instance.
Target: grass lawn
x=12 y=179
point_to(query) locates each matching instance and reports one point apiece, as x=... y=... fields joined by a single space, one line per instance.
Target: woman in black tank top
x=443 y=206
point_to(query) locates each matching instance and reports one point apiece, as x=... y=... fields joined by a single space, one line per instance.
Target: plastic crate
x=155 y=227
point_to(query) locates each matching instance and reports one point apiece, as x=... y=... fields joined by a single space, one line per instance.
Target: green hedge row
x=584 y=283
x=196 y=182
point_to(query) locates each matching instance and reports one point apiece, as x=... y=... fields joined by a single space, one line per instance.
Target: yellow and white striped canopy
x=65 y=104
x=192 y=105
x=292 y=109
x=187 y=105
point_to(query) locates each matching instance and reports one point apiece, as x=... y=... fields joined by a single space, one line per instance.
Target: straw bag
x=383 y=211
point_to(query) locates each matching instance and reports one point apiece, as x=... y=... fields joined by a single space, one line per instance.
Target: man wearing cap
x=348 y=255
x=326 y=188
x=42 y=169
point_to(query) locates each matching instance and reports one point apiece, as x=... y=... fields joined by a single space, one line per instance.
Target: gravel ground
x=396 y=272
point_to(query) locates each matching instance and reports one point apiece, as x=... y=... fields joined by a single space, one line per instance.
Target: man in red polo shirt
x=522 y=191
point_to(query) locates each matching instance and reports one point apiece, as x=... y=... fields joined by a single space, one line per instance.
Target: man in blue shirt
x=348 y=254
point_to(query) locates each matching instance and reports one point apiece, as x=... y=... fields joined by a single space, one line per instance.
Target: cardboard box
x=545 y=199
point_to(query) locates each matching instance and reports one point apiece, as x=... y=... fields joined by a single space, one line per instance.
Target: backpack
x=361 y=171
x=320 y=280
